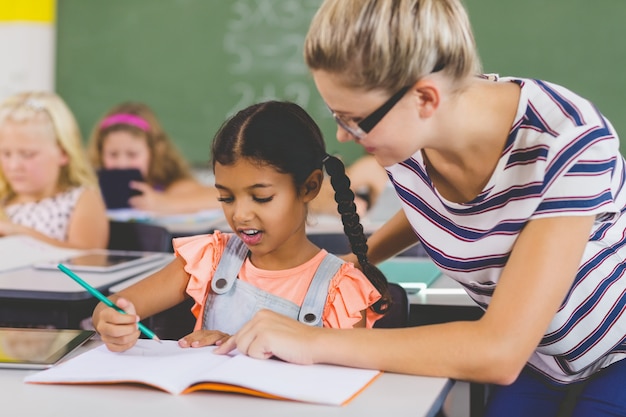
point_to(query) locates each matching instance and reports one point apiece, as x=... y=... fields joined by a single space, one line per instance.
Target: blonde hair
x=166 y=163
x=50 y=111
x=388 y=44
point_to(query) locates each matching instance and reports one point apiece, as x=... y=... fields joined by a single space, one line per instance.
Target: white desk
x=390 y=394
x=35 y=297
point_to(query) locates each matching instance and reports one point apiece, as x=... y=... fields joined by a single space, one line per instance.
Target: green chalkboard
x=197 y=61
x=575 y=43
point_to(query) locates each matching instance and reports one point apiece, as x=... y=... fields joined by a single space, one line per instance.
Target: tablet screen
x=38 y=348
x=100 y=260
x=104 y=261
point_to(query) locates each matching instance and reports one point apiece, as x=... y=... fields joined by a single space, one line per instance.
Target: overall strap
x=229 y=265
x=315 y=300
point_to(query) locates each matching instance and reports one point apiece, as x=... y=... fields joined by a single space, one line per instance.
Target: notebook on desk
x=412 y=273
x=177 y=370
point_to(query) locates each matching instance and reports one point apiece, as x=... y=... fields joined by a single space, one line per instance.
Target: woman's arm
x=390 y=239
x=493 y=349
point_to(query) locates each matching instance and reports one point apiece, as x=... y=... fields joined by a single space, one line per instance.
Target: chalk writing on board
x=263 y=44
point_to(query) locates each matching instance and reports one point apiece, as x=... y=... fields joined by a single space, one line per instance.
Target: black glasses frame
x=362 y=128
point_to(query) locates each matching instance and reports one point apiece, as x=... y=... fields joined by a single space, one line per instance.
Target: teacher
x=515 y=188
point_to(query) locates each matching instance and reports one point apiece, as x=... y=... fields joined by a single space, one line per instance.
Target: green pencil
x=149 y=333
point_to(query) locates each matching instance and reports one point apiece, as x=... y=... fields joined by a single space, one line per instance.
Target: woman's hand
x=270 y=334
x=201 y=338
x=117 y=330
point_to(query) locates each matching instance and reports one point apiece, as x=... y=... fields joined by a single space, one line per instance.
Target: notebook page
x=163 y=365
x=320 y=384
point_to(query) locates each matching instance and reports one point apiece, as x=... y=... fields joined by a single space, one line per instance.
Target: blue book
x=412 y=273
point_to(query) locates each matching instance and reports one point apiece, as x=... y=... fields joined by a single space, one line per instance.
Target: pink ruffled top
x=350 y=292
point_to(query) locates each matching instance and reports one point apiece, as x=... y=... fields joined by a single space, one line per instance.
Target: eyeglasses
x=360 y=129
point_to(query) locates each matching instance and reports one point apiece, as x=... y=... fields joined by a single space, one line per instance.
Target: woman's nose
x=344 y=136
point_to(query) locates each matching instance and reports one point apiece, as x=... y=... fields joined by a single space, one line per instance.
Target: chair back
x=398 y=314
x=135 y=236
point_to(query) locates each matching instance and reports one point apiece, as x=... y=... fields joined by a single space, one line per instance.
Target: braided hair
x=281 y=134
x=344 y=196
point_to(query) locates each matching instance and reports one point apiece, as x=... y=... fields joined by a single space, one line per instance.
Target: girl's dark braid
x=354 y=230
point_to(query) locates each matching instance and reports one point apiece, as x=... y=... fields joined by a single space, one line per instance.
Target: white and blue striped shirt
x=561 y=159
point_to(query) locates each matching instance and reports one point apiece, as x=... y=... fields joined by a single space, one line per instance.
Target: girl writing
x=513 y=186
x=130 y=136
x=268 y=162
x=48 y=190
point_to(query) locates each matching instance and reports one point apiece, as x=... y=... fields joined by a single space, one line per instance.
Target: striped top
x=561 y=158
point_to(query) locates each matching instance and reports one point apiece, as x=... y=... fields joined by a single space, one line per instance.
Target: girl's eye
x=263 y=200
x=225 y=200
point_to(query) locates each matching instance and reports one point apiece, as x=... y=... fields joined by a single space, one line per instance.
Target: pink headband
x=125 y=119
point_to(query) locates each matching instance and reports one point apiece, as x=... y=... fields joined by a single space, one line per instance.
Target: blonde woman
x=130 y=136
x=48 y=189
x=513 y=186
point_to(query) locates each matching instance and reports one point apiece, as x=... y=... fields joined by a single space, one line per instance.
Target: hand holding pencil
x=117 y=325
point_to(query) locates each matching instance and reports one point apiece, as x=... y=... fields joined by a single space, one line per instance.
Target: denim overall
x=232 y=302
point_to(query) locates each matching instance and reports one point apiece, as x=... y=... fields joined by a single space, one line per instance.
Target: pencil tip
x=157 y=339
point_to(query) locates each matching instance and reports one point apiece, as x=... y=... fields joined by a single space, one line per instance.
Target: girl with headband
x=130 y=136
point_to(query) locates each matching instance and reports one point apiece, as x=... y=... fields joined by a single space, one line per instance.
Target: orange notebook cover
x=172 y=369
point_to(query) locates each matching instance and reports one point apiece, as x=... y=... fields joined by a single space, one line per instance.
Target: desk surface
x=390 y=394
x=32 y=283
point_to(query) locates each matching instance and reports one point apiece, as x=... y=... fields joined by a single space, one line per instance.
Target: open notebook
x=179 y=371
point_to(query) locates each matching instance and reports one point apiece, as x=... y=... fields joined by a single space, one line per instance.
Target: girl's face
x=125 y=150
x=391 y=140
x=31 y=159
x=264 y=208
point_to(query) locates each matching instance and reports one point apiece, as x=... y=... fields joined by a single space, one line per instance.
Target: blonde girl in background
x=48 y=190
x=130 y=136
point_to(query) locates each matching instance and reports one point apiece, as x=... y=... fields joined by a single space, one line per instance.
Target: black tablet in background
x=38 y=348
x=115 y=188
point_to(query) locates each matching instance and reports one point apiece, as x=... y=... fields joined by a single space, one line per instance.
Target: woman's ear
x=311 y=187
x=429 y=96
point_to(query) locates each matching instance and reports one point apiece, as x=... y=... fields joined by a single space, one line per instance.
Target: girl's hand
x=201 y=338
x=118 y=331
x=271 y=334
x=149 y=199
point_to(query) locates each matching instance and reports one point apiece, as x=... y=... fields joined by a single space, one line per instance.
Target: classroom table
x=390 y=394
x=31 y=297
